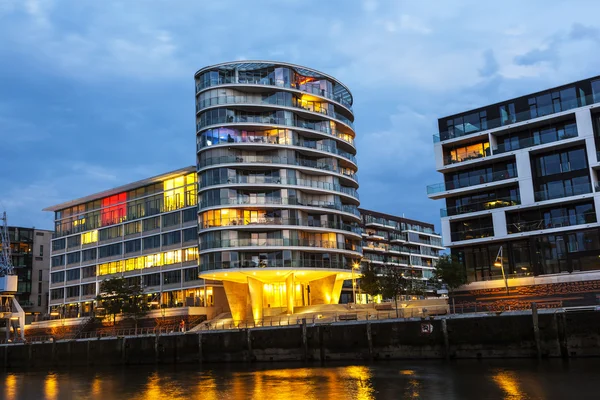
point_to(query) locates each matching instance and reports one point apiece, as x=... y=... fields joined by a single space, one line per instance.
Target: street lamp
x=500 y=264
x=354 y=266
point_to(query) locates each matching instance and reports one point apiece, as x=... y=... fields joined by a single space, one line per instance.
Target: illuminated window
x=152 y=260
x=89 y=237
x=134 y=263
x=174 y=197
x=172 y=257
x=114 y=209
x=113 y=267
x=190 y=254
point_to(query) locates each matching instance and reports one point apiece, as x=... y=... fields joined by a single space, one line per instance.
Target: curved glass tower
x=277 y=172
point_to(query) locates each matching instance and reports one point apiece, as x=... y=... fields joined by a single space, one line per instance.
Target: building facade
x=522 y=176
x=30 y=250
x=277 y=177
x=146 y=231
x=396 y=242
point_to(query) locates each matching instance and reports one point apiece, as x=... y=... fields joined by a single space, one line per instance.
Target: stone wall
x=523 y=334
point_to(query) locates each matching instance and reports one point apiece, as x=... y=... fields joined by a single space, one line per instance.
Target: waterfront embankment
x=544 y=334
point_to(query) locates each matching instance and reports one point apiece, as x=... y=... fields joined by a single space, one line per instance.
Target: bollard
x=536 y=329
x=446 y=339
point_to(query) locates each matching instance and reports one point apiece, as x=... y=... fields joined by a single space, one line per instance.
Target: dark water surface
x=489 y=379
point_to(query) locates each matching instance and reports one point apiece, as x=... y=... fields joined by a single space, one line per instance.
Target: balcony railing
x=529 y=142
x=214 y=223
x=487 y=205
x=283 y=181
x=213 y=101
x=280 y=201
x=468 y=234
x=295 y=263
x=471 y=181
x=517 y=117
x=280 y=141
x=471 y=155
x=277 y=83
x=216 y=244
x=208 y=161
x=574 y=190
x=550 y=223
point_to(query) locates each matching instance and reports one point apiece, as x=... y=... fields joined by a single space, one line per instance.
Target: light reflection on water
x=493 y=379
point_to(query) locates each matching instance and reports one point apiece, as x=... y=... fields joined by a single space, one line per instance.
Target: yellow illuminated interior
x=179 y=189
x=274 y=295
x=89 y=237
x=149 y=261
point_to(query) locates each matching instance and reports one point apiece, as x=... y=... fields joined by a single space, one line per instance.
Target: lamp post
x=354 y=266
x=500 y=264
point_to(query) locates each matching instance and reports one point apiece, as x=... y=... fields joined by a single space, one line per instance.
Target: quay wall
x=542 y=334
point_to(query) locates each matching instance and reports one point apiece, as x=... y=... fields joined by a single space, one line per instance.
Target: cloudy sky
x=95 y=94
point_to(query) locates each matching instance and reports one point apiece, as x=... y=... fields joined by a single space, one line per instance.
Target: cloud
x=490 y=65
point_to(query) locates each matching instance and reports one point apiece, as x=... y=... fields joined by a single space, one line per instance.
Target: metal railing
x=471 y=181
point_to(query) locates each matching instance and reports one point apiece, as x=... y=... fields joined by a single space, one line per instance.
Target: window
x=58 y=244
x=89 y=237
x=110 y=250
x=40 y=275
x=132 y=228
x=190 y=235
x=471 y=229
x=132 y=246
x=190 y=214
x=56 y=294
x=151 y=280
x=151 y=242
x=73 y=257
x=171 y=277
x=74 y=241
x=73 y=274
x=465 y=153
x=171 y=219
x=88 y=255
x=57 y=277
x=171 y=238
x=151 y=223
x=39 y=302
x=41 y=250
x=58 y=261
x=190 y=274
x=73 y=291
x=88 y=272
x=110 y=233
x=88 y=289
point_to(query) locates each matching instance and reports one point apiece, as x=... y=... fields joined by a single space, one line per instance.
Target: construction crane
x=10 y=309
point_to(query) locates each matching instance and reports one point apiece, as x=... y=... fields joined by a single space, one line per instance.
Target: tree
x=393 y=284
x=369 y=281
x=117 y=295
x=450 y=272
x=136 y=308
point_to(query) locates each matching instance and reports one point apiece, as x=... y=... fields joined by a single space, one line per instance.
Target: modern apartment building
x=30 y=249
x=278 y=184
x=522 y=176
x=398 y=242
x=146 y=231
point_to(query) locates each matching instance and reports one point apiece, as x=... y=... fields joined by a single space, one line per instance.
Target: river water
x=464 y=379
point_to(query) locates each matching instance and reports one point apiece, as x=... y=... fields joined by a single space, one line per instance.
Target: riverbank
x=543 y=334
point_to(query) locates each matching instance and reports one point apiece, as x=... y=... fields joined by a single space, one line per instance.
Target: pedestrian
x=182 y=326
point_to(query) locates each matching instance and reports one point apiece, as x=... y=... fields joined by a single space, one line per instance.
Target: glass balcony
x=475 y=207
x=275 y=140
x=514 y=118
x=223 y=100
x=529 y=142
x=294 y=263
x=277 y=83
x=208 y=161
x=282 y=181
x=551 y=222
x=291 y=201
x=321 y=127
x=563 y=191
x=215 y=223
x=216 y=244
x=469 y=234
x=472 y=181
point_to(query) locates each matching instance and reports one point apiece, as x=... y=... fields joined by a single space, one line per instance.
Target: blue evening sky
x=95 y=94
